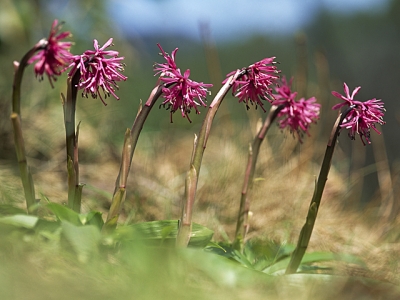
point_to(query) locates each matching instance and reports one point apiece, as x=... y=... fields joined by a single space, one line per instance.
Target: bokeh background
x=322 y=43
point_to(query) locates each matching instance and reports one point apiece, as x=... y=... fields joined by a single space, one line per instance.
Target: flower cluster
x=180 y=92
x=98 y=68
x=54 y=55
x=255 y=84
x=363 y=115
x=297 y=115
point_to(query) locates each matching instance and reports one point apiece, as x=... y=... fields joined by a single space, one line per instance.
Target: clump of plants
x=96 y=73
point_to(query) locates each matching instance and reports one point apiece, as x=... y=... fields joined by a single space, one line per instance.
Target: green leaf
x=313 y=258
x=83 y=239
x=47 y=226
x=227 y=250
x=24 y=221
x=164 y=231
x=64 y=213
x=214 y=245
x=92 y=218
x=225 y=272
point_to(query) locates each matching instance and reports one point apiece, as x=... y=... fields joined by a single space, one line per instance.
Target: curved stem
x=306 y=231
x=192 y=176
x=71 y=140
x=130 y=141
x=19 y=73
x=242 y=220
x=26 y=176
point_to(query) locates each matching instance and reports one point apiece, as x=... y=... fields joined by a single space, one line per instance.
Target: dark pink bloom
x=180 y=92
x=54 y=55
x=362 y=117
x=170 y=67
x=296 y=115
x=255 y=84
x=99 y=69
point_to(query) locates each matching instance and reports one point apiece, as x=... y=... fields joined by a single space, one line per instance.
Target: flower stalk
x=130 y=142
x=180 y=93
x=359 y=117
x=71 y=140
x=50 y=55
x=306 y=231
x=26 y=176
x=200 y=144
x=254 y=149
x=120 y=185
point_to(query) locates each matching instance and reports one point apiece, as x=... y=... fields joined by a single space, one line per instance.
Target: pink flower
x=180 y=92
x=170 y=67
x=296 y=115
x=54 y=55
x=362 y=117
x=255 y=84
x=99 y=69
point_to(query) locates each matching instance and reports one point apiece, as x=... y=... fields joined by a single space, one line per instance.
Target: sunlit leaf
x=24 y=221
x=64 y=213
x=92 y=218
x=313 y=258
x=83 y=239
x=164 y=231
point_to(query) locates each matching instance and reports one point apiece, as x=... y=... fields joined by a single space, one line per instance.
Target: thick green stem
x=26 y=176
x=242 y=220
x=19 y=73
x=305 y=233
x=71 y=140
x=185 y=224
x=120 y=186
x=131 y=139
x=192 y=176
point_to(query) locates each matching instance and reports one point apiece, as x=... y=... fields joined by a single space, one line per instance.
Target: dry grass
x=285 y=180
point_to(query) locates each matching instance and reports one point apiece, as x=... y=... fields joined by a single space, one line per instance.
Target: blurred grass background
x=361 y=198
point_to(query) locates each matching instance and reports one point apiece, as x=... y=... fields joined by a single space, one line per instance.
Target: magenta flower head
x=255 y=84
x=100 y=70
x=362 y=117
x=53 y=55
x=180 y=92
x=296 y=115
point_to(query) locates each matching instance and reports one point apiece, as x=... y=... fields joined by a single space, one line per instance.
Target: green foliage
x=44 y=259
x=163 y=232
x=21 y=221
x=67 y=255
x=273 y=258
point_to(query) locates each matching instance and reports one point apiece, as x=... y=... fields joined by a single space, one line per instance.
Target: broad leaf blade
x=313 y=258
x=23 y=221
x=64 y=213
x=83 y=239
x=164 y=232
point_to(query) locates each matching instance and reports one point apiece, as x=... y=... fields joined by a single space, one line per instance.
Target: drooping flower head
x=169 y=68
x=180 y=92
x=296 y=115
x=363 y=115
x=254 y=85
x=54 y=55
x=100 y=70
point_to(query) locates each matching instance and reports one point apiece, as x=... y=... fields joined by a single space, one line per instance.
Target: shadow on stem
x=306 y=231
x=242 y=219
x=192 y=175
